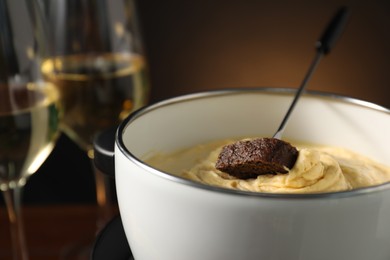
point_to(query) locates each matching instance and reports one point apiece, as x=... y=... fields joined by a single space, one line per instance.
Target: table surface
x=54 y=231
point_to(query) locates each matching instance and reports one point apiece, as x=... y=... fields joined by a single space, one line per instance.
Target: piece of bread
x=250 y=158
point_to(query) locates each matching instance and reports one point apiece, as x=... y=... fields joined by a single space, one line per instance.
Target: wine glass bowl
x=96 y=59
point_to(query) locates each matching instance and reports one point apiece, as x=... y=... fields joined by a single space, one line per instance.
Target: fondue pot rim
x=234 y=91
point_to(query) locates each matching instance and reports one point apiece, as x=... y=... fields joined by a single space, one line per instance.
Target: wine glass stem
x=12 y=199
x=103 y=197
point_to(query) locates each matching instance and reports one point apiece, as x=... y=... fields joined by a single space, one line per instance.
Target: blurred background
x=213 y=44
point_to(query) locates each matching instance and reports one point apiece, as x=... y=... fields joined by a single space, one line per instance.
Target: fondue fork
x=323 y=47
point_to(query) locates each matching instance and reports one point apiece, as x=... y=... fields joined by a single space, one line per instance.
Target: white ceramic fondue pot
x=169 y=218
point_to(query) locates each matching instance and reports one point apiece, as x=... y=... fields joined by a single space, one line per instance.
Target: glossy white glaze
x=168 y=218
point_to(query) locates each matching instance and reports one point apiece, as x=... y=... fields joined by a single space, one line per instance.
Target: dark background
x=212 y=44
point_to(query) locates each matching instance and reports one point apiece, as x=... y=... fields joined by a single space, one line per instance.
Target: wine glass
x=98 y=63
x=29 y=109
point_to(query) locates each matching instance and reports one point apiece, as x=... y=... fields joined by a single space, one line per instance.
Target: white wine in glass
x=29 y=109
x=97 y=91
x=29 y=120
